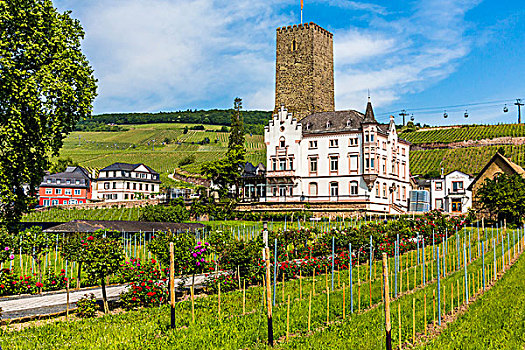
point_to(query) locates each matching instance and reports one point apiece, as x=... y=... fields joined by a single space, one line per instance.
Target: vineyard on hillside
x=467 y=132
x=469 y=160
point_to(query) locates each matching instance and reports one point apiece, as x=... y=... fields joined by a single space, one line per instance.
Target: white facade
x=450 y=193
x=343 y=156
x=121 y=182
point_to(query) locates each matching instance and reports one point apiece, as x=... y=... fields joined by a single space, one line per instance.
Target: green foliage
x=189 y=159
x=160 y=213
x=503 y=196
x=183 y=244
x=34 y=242
x=8 y=245
x=46 y=87
x=102 y=256
x=61 y=164
x=87 y=306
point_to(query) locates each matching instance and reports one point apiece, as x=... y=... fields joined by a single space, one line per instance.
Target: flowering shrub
x=147 y=288
x=87 y=306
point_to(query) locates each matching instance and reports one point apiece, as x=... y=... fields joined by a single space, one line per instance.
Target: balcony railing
x=457 y=191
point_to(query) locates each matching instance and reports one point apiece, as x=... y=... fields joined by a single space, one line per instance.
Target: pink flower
x=6 y=249
x=12 y=257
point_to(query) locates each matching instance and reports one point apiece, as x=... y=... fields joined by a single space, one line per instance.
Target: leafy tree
x=46 y=87
x=185 y=131
x=182 y=243
x=103 y=256
x=61 y=164
x=36 y=243
x=227 y=171
x=236 y=137
x=503 y=196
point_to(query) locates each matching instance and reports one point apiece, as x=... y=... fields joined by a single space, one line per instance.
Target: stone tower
x=304 y=74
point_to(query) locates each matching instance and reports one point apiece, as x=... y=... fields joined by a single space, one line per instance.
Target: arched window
x=282 y=142
x=354 y=188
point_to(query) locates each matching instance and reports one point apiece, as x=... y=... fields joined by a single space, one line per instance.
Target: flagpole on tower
x=301 y=11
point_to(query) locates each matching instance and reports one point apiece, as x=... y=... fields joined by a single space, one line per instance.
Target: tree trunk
x=78 y=274
x=104 y=296
x=39 y=264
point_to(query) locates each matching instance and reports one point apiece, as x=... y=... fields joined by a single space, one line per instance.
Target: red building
x=73 y=186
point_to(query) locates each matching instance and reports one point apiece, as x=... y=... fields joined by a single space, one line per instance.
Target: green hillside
x=465 y=132
x=100 y=149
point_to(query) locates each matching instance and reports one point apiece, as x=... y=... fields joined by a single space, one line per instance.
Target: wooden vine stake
x=413 y=320
x=192 y=305
x=67 y=299
x=300 y=284
x=309 y=311
x=219 y=302
x=388 y=325
x=327 y=305
x=313 y=282
x=172 y=286
x=434 y=307
x=243 y=296
x=269 y=297
x=425 y=310
x=288 y=319
x=399 y=326
x=344 y=301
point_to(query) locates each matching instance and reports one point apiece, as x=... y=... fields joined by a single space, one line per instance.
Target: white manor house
x=341 y=156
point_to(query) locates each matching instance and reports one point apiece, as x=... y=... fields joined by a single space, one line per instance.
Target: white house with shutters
x=450 y=192
x=122 y=182
x=343 y=156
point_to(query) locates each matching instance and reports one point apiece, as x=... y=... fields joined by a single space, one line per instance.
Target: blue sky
x=422 y=56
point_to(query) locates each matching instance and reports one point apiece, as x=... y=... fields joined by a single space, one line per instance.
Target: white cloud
x=170 y=54
x=401 y=56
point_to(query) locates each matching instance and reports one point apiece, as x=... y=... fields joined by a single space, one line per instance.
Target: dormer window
x=348 y=123
x=328 y=124
x=307 y=126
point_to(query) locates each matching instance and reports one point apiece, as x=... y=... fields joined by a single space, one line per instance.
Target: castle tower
x=304 y=74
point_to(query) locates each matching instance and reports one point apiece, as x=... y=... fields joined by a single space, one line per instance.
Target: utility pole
x=519 y=104
x=403 y=114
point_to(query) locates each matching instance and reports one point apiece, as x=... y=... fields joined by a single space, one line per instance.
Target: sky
x=423 y=56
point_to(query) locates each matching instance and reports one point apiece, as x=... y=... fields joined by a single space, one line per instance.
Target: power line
x=452 y=108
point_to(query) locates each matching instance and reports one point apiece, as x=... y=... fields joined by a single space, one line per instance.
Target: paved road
x=56 y=302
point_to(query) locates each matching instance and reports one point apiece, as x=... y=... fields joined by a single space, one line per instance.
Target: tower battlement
x=298 y=27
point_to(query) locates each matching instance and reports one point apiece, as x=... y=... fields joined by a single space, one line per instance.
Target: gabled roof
x=127 y=167
x=515 y=168
x=71 y=173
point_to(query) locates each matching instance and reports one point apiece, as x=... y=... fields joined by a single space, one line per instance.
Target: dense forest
x=254 y=121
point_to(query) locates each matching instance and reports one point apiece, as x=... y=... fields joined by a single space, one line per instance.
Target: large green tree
x=503 y=196
x=226 y=172
x=46 y=87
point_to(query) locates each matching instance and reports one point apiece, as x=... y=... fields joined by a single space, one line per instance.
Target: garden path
x=49 y=303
